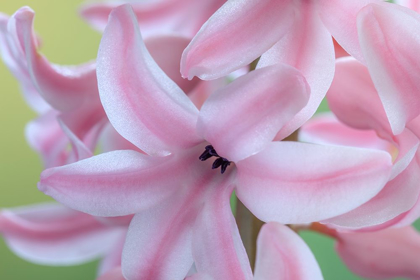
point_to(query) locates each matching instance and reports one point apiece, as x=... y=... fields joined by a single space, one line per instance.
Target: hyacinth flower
x=52 y=234
x=281 y=254
x=298 y=33
x=182 y=17
x=183 y=215
x=363 y=123
x=71 y=93
x=384 y=254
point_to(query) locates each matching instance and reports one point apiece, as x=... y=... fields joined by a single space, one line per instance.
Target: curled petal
x=354 y=99
x=217 y=247
x=288 y=181
x=340 y=18
x=394 y=65
x=383 y=254
x=242 y=118
x=157 y=116
x=239 y=32
x=308 y=47
x=282 y=254
x=113 y=184
x=52 y=234
x=64 y=87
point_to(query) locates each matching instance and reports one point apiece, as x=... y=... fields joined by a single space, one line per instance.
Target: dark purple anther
x=219 y=162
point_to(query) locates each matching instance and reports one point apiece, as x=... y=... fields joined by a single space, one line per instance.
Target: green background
x=66 y=39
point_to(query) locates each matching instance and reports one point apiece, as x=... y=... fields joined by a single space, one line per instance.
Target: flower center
x=219 y=162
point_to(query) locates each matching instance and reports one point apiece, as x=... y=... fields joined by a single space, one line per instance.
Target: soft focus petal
x=111 y=140
x=115 y=183
x=239 y=32
x=142 y=103
x=389 y=40
x=354 y=99
x=242 y=118
x=398 y=196
x=308 y=47
x=45 y=136
x=292 y=182
x=382 y=255
x=51 y=234
x=217 y=247
x=325 y=129
x=340 y=18
x=112 y=260
x=282 y=254
x=114 y=274
x=79 y=149
x=158 y=244
x=64 y=87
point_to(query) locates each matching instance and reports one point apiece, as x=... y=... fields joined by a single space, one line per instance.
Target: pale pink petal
x=389 y=40
x=110 y=140
x=308 y=47
x=382 y=255
x=292 y=182
x=64 y=87
x=200 y=276
x=354 y=99
x=217 y=247
x=325 y=129
x=142 y=103
x=340 y=18
x=282 y=254
x=157 y=17
x=398 y=196
x=51 y=234
x=114 y=274
x=242 y=118
x=115 y=183
x=408 y=217
x=158 y=244
x=112 y=260
x=239 y=32
x=45 y=136
x=79 y=149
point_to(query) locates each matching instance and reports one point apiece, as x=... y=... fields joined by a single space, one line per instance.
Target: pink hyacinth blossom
x=355 y=101
x=297 y=33
x=389 y=39
x=184 y=215
x=52 y=234
x=156 y=17
x=385 y=254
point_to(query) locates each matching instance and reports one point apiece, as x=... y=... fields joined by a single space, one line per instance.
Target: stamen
x=219 y=162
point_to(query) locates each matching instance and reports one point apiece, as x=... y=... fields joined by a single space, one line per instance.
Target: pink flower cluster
x=155 y=202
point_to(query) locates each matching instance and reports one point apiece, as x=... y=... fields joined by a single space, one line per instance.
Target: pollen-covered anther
x=221 y=162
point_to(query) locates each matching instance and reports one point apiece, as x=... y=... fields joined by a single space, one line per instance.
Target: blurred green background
x=66 y=39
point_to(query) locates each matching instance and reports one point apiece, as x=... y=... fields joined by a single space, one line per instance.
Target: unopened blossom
x=356 y=103
x=182 y=205
x=52 y=234
x=295 y=32
x=156 y=17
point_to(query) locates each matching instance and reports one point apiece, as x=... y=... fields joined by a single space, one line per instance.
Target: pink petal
x=242 y=118
x=382 y=255
x=308 y=47
x=64 y=87
x=217 y=247
x=239 y=32
x=79 y=149
x=114 y=184
x=157 y=17
x=110 y=140
x=340 y=18
x=288 y=181
x=354 y=99
x=388 y=37
x=158 y=244
x=46 y=137
x=158 y=117
x=325 y=129
x=112 y=261
x=282 y=254
x=51 y=234
x=114 y=274
x=398 y=196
